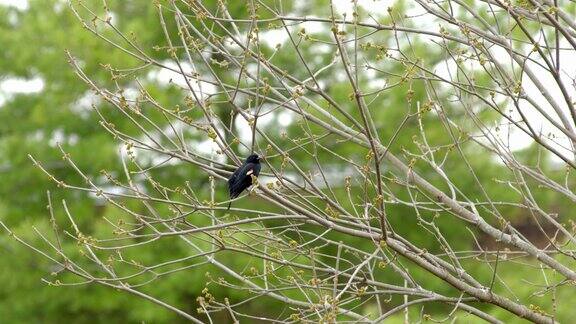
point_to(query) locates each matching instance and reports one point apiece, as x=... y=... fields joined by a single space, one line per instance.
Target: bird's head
x=254 y=158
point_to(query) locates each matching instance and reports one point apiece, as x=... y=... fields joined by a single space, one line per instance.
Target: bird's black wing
x=241 y=179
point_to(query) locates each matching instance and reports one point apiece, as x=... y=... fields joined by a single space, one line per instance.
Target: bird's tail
x=229 y=204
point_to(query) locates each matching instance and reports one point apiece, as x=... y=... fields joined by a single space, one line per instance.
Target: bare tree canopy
x=417 y=161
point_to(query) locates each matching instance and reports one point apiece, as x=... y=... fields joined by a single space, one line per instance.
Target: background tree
x=418 y=161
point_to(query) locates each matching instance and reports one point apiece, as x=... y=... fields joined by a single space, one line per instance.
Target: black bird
x=242 y=177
